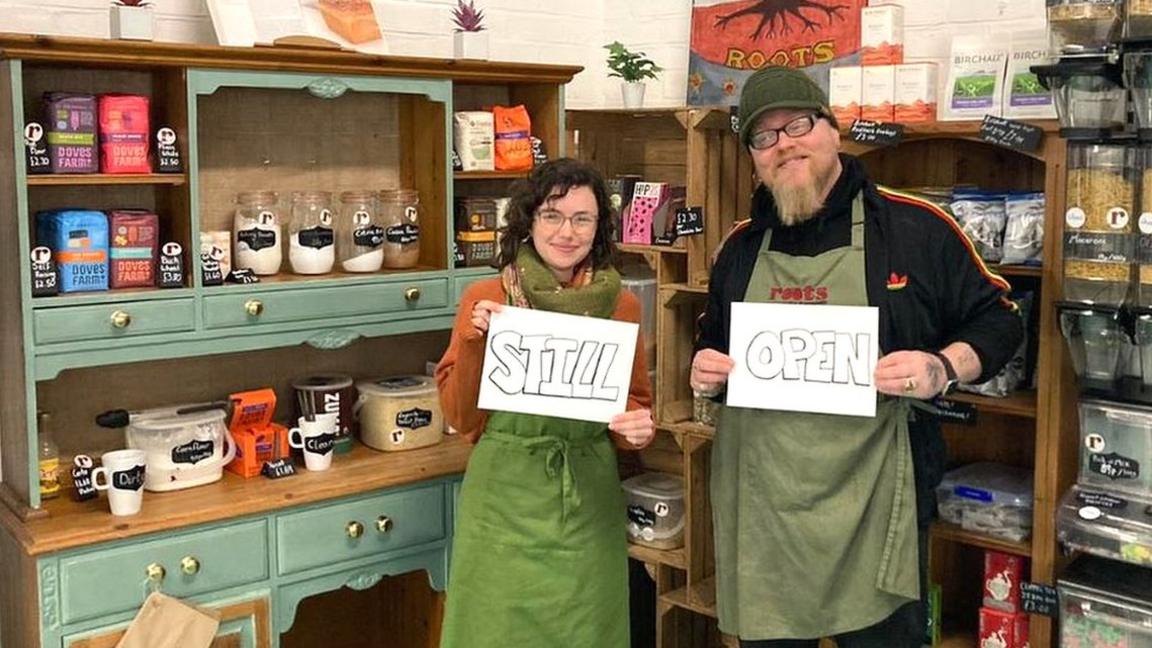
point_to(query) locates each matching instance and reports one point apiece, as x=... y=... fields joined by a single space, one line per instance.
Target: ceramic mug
x=315 y=438
x=123 y=472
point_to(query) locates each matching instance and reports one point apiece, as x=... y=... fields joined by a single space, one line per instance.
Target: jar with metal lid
x=1099 y=246
x=361 y=238
x=257 y=233
x=400 y=218
x=312 y=244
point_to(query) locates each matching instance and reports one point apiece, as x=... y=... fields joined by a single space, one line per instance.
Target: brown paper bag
x=165 y=622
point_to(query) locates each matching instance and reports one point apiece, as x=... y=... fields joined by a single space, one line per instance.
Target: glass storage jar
x=256 y=231
x=361 y=236
x=312 y=245
x=400 y=218
x=1078 y=26
x=1099 y=221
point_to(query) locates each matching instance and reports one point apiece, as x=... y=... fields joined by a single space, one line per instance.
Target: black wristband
x=949 y=372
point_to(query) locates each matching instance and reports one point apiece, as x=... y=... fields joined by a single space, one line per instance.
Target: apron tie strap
x=558 y=462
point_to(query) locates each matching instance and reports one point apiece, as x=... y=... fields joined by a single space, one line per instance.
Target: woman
x=539 y=555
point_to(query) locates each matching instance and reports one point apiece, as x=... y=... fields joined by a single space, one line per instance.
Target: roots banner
x=734 y=38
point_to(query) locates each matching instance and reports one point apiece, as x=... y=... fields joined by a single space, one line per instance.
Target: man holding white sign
x=822 y=490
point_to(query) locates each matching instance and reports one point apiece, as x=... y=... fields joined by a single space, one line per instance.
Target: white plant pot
x=131 y=23
x=470 y=45
x=633 y=93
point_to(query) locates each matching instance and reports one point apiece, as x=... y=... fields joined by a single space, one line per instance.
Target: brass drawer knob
x=254 y=307
x=383 y=524
x=354 y=529
x=412 y=294
x=189 y=565
x=155 y=572
x=121 y=319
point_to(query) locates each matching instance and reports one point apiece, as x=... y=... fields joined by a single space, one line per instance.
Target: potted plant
x=470 y=40
x=633 y=68
x=131 y=20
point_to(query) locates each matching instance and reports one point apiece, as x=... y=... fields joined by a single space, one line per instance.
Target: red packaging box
x=1003 y=629
x=133 y=247
x=124 y=133
x=1002 y=575
x=257 y=438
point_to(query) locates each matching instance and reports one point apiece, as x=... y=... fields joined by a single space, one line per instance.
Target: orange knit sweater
x=458 y=374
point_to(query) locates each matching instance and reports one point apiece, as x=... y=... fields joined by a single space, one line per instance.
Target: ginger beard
x=799 y=186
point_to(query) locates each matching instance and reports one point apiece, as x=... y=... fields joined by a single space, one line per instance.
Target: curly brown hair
x=554 y=179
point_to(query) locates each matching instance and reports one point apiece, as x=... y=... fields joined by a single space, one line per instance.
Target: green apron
x=815 y=514
x=540 y=555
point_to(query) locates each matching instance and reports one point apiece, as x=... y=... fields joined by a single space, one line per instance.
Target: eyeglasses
x=798 y=127
x=554 y=220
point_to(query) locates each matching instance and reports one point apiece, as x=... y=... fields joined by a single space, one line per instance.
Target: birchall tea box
x=882 y=35
x=70 y=127
x=878 y=89
x=79 y=242
x=844 y=93
x=915 y=95
x=134 y=248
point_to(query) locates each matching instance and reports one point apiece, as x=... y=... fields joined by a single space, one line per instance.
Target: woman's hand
x=634 y=425
x=482 y=314
x=710 y=370
x=913 y=374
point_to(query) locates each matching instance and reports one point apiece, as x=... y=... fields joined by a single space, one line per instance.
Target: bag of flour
x=474 y=136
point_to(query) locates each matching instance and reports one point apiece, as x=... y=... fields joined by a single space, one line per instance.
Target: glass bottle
x=49 y=457
x=400 y=218
x=311 y=242
x=256 y=231
x=360 y=233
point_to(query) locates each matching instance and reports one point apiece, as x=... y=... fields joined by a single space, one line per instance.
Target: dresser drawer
x=251 y=308
x=111 y=321
x=385 y=522
x=116 y=580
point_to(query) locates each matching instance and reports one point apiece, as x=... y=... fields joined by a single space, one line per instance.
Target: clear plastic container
x=400 y=218
x=181 y=450
x=1107 y=524
x=655 y=510
x=1116 y=447
x=1105 y=603
x=361 y=238
x=1095 y=340
x=1099 y=246
x=1088 y=93
x=988 y=498
x=256 y=227
x=1138 y=78
x=399 y=413
x=1077 y=26
x=311 y=240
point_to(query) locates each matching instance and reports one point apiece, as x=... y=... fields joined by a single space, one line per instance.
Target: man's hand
x=710 y=370
x=913 y=374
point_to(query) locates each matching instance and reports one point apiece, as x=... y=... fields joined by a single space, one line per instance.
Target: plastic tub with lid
x=1106 y=523
x=399 y=413
x=988 y=498
x=1105 y=603
x=1116 y=447
x=655 y=510
x=181 y=450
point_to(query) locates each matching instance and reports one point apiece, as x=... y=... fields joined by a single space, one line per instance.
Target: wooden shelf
x=953 y=533
x=1021 y=403
x=699 y=597
x=489 y=175
x=1016 y=270
x=636 y=248
x=959 y=128
x=689 y=427
x=671 y=557
x=685 y=288
x=58 y=179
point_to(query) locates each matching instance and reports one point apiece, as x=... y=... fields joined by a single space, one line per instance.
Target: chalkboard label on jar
x=371 y=236
x=414 y=418
x=641 y=516
x=82 y=486
x=402 y=234
x=1037 y=598
x=316 y=237
x=1101 y=500
x=36 y=150
x=1010 y=134
x=256 y=238
x=1114 y=466
x=874 y=133
x=171 y=266
x=45 y=277
x=193 y=452
x=168 y=151
x=1105 y=247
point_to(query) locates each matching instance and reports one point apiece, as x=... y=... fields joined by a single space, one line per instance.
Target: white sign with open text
x=804 y=358
x=538 y=362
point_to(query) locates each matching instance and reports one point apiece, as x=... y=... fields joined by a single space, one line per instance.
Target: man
x=821 y=520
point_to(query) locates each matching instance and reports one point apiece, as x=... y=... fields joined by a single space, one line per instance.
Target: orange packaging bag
x=513 y=138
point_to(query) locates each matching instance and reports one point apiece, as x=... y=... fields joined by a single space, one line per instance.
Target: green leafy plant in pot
x=632 y=68
x=131 y=20
x=470 y=39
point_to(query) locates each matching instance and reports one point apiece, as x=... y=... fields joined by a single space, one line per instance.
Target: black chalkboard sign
x=193 y=452
x=82 y=486
x=689 y=221
x=168 y=151
x=641 y=516
x=45 y=277
x=242 y=276
x=1036 y=598
x=873 y=133
x=277 y=469
x=1113 y=466
x=1010 y=134
x=210 y=273
x=171 y=266
x=952 y=411
x=36 y=150
x=414 y=418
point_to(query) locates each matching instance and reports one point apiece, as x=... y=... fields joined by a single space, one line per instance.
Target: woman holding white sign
x=539 y=554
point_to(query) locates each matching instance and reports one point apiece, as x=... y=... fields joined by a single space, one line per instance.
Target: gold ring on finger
x=909 y=385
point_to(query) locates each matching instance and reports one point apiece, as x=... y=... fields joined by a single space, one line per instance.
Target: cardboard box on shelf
x=844 y=93
x=878 y=89
x=882 y=35
x=915 y=95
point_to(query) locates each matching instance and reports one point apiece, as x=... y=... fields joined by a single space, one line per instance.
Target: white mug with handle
x=316 y=438
x=123 y=472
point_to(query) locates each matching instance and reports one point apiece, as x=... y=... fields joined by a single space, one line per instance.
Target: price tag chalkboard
x=171 y=268
x=36 y=149
x=45 y=278
x=1010 y=134
x=83 y=488
x=167 y=151
x=952 y=411
x=1036 y=598
x=689 y=221
x=210 y=274
x=277 y=469
x=873 y=133
x=242 y=276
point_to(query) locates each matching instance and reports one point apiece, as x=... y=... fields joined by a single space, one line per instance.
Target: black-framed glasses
x=799 y=127
x=554 y=220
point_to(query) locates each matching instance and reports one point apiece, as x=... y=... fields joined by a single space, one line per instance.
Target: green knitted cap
x=771 y=88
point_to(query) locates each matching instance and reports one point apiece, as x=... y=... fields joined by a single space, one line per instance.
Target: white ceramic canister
x=399 y=413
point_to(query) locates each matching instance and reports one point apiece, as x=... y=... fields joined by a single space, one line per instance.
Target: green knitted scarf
x=530 y=284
